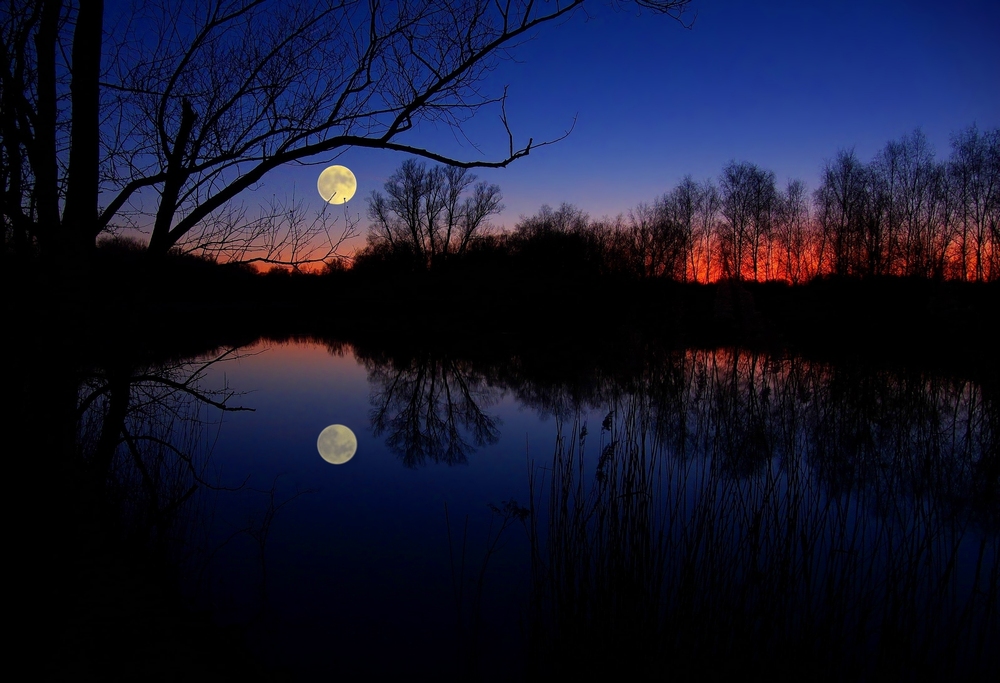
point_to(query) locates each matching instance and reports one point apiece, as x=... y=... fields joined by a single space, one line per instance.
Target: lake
x=688 y=510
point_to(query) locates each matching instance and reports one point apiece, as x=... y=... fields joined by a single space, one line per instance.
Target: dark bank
x=765 y=469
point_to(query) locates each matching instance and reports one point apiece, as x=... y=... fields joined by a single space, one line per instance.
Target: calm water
x=702 y=506
x=359 y=567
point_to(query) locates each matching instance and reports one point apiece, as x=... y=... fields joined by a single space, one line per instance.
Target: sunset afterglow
x=645 y=338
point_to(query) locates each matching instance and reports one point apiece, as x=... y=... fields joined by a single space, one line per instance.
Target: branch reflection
x=771 y=515
x=431 y=408
x=142 y=435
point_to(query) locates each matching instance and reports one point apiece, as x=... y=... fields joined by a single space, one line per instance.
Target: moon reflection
x=337 y=184
x=337 y=444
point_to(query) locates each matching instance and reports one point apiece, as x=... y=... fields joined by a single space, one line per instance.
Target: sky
x=781 y=84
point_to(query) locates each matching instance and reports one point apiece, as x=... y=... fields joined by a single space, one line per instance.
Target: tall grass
x=743 y=515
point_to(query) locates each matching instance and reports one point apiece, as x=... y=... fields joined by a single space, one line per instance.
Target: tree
x=909 y=187
x=792 y=233
x=705 y=230
x=749 y=199
x=974 y=169
x=681 y=205
x=563 y=243
x=564 y=220
x=841 y=199
x=423 y=212
x=918 y=197
x=659 y=237
x=164 y=114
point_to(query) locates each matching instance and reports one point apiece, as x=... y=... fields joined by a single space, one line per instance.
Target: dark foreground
x=111 y=603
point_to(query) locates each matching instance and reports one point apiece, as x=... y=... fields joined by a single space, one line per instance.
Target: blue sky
x=782 y=84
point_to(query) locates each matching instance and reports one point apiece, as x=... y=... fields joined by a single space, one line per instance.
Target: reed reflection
x=746 y=514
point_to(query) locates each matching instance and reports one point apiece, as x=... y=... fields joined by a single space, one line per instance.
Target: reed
x=744 y=514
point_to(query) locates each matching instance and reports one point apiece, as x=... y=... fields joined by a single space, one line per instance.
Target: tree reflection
x=771 y=515
x=431 y=408
x=761 y=513
x=142 y=437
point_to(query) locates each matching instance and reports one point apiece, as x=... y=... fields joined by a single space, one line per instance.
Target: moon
x=337 y=444
x=337 y=184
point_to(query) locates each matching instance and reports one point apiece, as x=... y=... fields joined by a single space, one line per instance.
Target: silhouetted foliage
x=900 y=215
x=425 y=215
x=168 y=111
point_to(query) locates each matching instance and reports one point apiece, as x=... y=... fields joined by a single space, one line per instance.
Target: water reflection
x=772 y=516
x=146 y=431
x=744 y=512
x=142 y=434
x=431 y=408
x=826 y=519
x=904 y=433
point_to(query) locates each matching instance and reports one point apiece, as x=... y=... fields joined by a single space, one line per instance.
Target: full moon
x=337 y=184
x=337 y=444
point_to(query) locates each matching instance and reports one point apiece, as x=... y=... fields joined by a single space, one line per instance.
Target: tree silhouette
x=431 y=408
x=423 y=213
x=659 y=236
x=749 y=199
x=841 y=200
x=791 y=231
x=974 y=169
x=163 y=114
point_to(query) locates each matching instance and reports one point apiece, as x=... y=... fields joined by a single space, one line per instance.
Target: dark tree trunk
x=163 y=239
x=80 y=216
x=119 y=391
x=42 y=151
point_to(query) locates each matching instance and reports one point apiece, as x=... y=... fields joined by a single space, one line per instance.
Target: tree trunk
x=42 y=152
x=80 y=216
x=163 y=239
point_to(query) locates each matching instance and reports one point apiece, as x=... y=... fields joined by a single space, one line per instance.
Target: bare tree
x=840 y=202
x=918 y=196
x=281 y=234
x=908 y=181
x=657 y=237
x=681 y=206
x=566 y=219
x=974 y=169
x=886 y=185
x=748 y=204
x=792 y=232
x=175 y=108
x=705 y=230
x=656 y=240
x=425 y=212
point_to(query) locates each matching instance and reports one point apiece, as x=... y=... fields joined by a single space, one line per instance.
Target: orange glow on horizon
x=707 y=260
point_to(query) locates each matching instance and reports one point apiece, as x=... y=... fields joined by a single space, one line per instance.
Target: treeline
x=900 y=214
